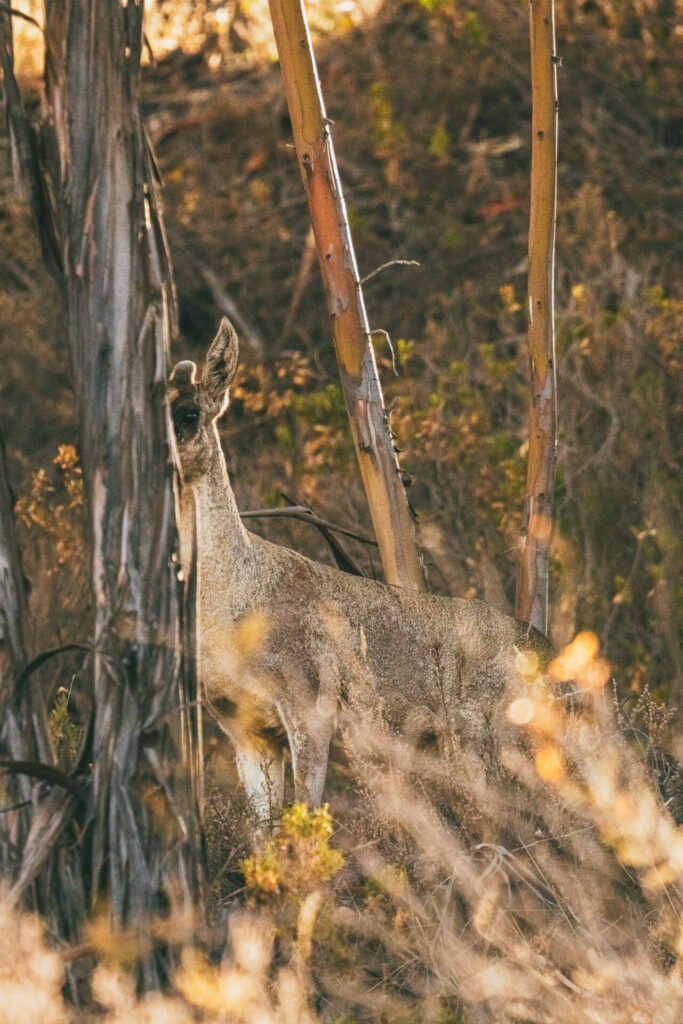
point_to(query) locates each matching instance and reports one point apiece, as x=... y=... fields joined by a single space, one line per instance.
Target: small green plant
x=65 y=733
x=476 y=34
x=432 y=6
x=440 y=141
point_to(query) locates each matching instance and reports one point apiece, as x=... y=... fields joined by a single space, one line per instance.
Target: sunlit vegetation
x=546 y=892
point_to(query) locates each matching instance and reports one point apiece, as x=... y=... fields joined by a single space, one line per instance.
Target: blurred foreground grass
x=547 y=888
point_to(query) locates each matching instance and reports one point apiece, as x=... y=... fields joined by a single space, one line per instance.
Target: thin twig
x=44 y=773
x=344 y=560
x=306 y=516
x=302 y=279
x=20 y=14
x=148 y=46
x=16 y=807
x=380 y=330
x=228 y=306
x=391 y=263
x=44 y=656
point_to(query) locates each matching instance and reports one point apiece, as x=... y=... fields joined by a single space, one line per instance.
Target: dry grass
x=545 y=887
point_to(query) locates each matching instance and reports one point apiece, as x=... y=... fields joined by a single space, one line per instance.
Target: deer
x=284 y=642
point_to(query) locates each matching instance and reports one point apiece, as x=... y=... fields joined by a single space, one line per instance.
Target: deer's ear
x=183 y=374
x=221 y=361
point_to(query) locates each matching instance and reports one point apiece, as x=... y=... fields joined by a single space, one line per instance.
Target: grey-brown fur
x=283 y=640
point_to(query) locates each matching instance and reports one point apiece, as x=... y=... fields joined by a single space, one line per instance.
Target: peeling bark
x=141 y=845
x=120 y=301
x=14 y=623
x=17 y=740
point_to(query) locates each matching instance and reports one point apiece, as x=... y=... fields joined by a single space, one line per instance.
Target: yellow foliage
x=550 y=763
x=575 y=658
x=298 y=857
x=526 y=663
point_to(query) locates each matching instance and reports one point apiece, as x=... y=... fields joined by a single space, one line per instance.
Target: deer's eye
x=185 y=423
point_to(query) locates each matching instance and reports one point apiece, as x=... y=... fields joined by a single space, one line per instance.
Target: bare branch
x=6 y=9
x=229 y=308
x=387 y=338
x=306 y=516
x=45 y=773
x=391 y=263
x=302 y=279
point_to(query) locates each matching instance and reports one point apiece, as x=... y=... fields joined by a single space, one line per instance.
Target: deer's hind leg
x=310 y=748
x=310 y=722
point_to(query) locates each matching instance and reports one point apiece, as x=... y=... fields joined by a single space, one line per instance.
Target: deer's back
x=428 y=660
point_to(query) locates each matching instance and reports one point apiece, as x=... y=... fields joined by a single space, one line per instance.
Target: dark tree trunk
x=142 y=849
x=17 y=739
x=14 y=622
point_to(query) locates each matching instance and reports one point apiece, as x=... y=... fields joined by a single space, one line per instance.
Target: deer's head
x=197 y=402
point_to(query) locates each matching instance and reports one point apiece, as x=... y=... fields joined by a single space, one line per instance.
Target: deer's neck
x=223 y=544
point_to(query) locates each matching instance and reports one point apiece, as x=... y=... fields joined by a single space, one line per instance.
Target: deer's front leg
x=262 y=772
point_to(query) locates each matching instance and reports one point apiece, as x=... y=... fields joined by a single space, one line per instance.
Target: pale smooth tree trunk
x=532 y=575
x=389 y=508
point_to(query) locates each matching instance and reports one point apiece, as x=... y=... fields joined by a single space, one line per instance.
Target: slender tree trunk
x=532 y=576
x=17 y=738
x=14 y=622
x=386 y=495
x=140 y=849
x=16 y=642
